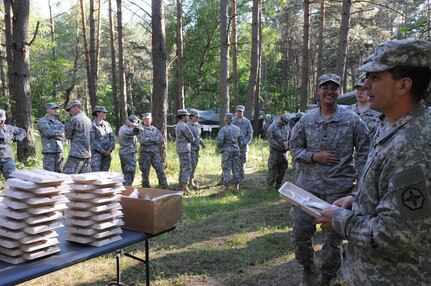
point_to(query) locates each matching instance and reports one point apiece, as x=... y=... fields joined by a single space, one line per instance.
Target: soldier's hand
x=129 y=123
x=344 y=202
x=326 y=218
x=326 y=158
x=203 y=146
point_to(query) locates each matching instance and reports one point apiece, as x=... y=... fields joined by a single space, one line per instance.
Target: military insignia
x=413 y=199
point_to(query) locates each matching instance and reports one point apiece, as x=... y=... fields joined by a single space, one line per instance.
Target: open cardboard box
x=153 y=216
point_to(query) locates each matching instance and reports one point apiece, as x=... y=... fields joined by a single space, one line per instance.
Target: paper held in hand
x=305 y=200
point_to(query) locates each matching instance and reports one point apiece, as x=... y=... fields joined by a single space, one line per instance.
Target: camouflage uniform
x=247 y=131
x=78 y=130
x=195 y=146
x=343 y=133
x=388 y=228
x=149 y=138
x=8 y=134
x=101 y=139
x=229 y=138
x=369 y=116
x=278 y=139
x=127 y=152
x=184 y=138
x=51 y=132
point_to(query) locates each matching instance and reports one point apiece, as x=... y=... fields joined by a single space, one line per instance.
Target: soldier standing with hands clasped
x=102 y=141
x=194 y=154
x=184 y=138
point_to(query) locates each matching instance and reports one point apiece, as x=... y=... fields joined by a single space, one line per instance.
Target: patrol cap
x=284 y=117
x=133 y=118
x=240 y=108
x=194 y=112
x=2 y=114
x=146 y=115
x=51 y=105
x=359 y=83
x=73 y=103
x=228 y=116
x=324 y=78
x=182 y=112
x=409 y=53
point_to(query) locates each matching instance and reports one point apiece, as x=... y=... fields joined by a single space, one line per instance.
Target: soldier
x=247 y=131
x=268 y=122
x=102 y=141
x=194 y=154
x=8 y=133
x=388 y=226
x=229 y=138
x=150 y=137
x=184 y=138
x=323 y=144
x=127 y=137
x=78 y=130
x=362 y=108
x=51 y=132
x=278 y=139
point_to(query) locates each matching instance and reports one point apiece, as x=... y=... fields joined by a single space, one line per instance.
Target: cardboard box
x=153 y=216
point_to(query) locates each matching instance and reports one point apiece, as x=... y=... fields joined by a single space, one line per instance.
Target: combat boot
x=235 y=188
x=226 y=188
x=185 y=188
x=311 y=275
x=193 y=185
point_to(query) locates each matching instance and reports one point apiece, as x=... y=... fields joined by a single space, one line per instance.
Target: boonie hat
x=324 y=78
x=146 y=115
x=100 y=108
x=51 y=105
x=240 y=108
x=284 y=117
x=72 y=103
x=228 y=116
x=359 y=83
x=410 y=53
x=194 y=112
x=133 y=118
x=2 y=114
x=182 y=112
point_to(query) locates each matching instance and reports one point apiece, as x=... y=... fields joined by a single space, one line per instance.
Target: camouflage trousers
x=185 y=167
x=77 y=165
x=243 y=155
x=303 y=231
x=7 y=166
x=194 y=155
x=100 y=162
x=148 y=159
x=53 y=162
x=231 y=162
x=128 y=167
x=277 y=166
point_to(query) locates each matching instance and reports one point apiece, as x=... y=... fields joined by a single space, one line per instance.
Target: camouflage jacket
x=184 y=137
x=247 y=130
x=9 y=134
x=370 y=117
x=102 y=138
x=278 y=136
x=229 y=138
x=78 y=130
x=389 y=226
x=345 y=134
x=127 y=138
x=51 y=132
x=149 y=138
x=196 y=130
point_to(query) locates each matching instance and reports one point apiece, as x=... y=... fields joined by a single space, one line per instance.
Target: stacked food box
x=93 y=214
x=30 y=211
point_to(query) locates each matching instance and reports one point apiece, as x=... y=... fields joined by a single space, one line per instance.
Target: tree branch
x=35 y=34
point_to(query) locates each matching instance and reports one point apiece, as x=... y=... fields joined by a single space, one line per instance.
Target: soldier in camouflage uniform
x=184 y=138
x=127 y=137
x=51 y=132
x=8 y=133
x=362 y=108
x=388 y=226
x=229 y=138
x=150 y=137
x=278 y=138
x=78 y=130
x=102 y=141
x=247 y=132
x=323 y=144
x=194 y=154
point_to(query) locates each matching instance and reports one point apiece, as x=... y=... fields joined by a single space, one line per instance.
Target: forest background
x=136 y=56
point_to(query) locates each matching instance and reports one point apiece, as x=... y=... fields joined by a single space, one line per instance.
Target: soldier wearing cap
x=184 y=138
x=150 y=138
x=229 y=139
x=387 y=221
x=127 y=139
x=194 y=154
x=78 y=130
x=268 y=122
x=247 y=131
x=102 y=141
x=329 y=146
x=8 y=134
x=278 y=139
x=51 y=132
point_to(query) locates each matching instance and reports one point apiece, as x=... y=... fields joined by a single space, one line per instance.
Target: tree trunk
x=257 y=104
x=114 y=93
x=159 y=58
x=234 y=44
x=342 y=41
x=99 y=30
x=254 y=61
x=92 y=85
x=9 y=56
x=121 y=70
x=305 y=56
x=21 y=50
x=53 y=50
x=86 y=53
x=224 y=61
x=180 y=56
x=320 y=42
x=69 y=90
